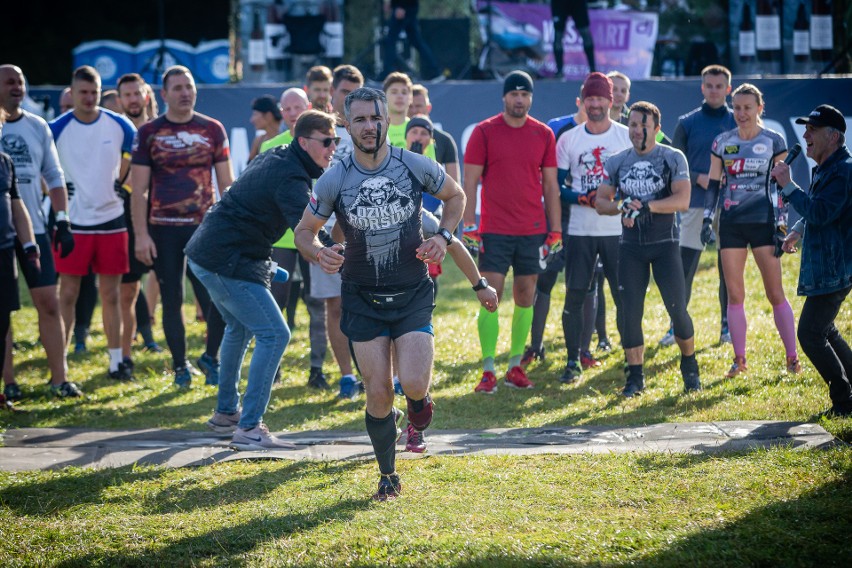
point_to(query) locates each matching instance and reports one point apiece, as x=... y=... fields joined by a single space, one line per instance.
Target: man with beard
x=318 y=87
x=173 y=158
x=28 y=141
x=652 y=184
x=133 y=97
x=514 y=156
x=582 y=153
x=387 y=295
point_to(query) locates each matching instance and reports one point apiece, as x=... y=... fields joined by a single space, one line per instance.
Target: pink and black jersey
x=746 y=164
x=512 y=190
x=181 y=158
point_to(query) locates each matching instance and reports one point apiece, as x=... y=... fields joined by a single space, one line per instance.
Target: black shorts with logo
x=47 y=276
x=374 y=312
x=743 y=235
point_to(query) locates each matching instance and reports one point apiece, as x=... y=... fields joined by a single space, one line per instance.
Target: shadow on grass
x=60 y=493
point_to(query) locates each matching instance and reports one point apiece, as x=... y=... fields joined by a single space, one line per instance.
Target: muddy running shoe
x=737 y=368
x=516 y=378
x=488 y=384
x=258 y=438
x=389 y=487
x=572 y=373
x=415 y=443
x=587 y=361
x=66 y=390
x=794 y=366
x=224 y=423
x=531 y=354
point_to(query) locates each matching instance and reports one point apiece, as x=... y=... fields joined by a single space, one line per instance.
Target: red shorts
x=104 y=253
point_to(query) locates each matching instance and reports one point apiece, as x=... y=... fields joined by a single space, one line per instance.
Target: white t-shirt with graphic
x=584 y=154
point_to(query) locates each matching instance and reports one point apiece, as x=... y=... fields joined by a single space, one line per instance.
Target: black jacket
x=235 y=239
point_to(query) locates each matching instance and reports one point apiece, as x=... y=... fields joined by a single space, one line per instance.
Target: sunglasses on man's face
x=326 y=142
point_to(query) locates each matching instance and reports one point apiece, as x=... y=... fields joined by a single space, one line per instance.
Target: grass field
x=776 y=507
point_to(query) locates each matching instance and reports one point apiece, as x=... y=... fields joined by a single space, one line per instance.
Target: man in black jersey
x=387 y=296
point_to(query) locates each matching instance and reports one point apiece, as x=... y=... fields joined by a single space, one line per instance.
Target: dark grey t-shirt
x=648 y=177
x=379 y=212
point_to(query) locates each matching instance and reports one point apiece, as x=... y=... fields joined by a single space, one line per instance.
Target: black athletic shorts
x=741 y=235
x=374 y=312
x=577 y=9
x=9 y=297
x=502 y=251
x=47 y=276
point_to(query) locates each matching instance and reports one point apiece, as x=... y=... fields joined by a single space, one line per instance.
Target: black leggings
x=85 y=307
x=635 y=262
x=5 y=322
x=170 y=266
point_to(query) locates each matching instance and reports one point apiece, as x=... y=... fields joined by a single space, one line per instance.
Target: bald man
x=293 y=102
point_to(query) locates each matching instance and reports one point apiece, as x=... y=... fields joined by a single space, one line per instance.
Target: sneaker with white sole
x=224 y=423
x=258 y=438
x=668 y=338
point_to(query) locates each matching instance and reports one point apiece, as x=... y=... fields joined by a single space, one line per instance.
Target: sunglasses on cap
x=326 y=142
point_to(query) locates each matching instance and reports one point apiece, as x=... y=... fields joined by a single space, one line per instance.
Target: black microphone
x=793 y=153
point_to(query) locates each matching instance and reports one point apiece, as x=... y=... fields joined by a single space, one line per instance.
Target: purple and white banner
x=624 y=40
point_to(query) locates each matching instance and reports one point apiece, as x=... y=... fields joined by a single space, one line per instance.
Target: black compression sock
x=382 y=432
x=688 y=363
x=635 y=371
x=415 y=405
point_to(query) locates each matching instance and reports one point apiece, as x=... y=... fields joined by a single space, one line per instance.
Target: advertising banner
x=522 y=35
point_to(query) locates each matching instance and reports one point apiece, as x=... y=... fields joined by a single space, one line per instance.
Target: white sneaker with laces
x=258 y=438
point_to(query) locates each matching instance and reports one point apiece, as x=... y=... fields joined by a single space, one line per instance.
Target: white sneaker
x=224 y=423
x=668 y=338
x=258 y=438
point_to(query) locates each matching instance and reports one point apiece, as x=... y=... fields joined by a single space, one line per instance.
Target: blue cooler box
x=112 y=59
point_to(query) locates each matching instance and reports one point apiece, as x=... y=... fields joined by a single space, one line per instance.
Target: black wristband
x=481 y=285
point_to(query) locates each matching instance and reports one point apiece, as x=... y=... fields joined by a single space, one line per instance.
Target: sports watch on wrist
x=448 y=236
x=481 y=285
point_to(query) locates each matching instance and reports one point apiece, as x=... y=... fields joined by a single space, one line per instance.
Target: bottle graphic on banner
x=747 y=49
x=801 y=35
x=822 y=41
x=768 y=36
x=257 y=54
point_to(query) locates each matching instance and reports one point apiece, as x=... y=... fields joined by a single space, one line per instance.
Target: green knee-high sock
x=489 y=329
x=521 y=325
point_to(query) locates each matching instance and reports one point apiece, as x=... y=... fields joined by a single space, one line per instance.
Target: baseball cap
x=825 y=115
x=517 y=81
x=267 y=103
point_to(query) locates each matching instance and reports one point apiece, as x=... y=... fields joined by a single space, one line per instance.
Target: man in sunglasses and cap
x=230 y=254
x=825 y=229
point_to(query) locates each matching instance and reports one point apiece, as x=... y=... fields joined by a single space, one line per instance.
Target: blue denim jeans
x=249 y=310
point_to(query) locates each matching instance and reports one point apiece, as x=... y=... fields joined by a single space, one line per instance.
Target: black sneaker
x=604 y=346
x=66 y=390
x=12 y=392
x=531 y=354
x=635 y=385
x=389 y=487
x=317 y=379
x=124 y=371
x=689 y=372
x=572 y=373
